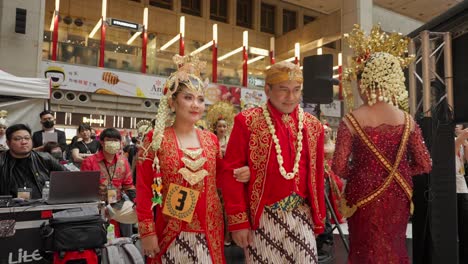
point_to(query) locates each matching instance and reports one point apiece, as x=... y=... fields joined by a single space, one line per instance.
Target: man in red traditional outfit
x=274 y=216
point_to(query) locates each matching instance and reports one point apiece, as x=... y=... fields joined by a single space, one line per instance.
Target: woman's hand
x=242 y=174
x=150 y=246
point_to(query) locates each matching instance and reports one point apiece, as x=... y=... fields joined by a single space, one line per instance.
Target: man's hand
x=243 y=237
x=242 y=174
x=150 y=246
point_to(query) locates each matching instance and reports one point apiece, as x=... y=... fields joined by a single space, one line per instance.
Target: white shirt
x=3 y=145
x=460 y=170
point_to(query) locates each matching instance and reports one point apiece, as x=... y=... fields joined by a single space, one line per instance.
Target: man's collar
x=100 y=156
x=13 y=157
x=276 y=114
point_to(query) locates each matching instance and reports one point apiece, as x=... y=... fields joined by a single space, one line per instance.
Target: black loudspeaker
x=20 y=23
x=460 y=78
x=318 y=81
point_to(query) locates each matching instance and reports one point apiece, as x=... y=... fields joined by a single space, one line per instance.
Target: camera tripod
x=337 y=223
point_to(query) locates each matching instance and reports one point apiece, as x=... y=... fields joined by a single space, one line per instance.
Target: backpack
x=122 y=250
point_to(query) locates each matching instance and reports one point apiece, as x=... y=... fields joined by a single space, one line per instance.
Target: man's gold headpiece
x=375 y=57
x=283 y=71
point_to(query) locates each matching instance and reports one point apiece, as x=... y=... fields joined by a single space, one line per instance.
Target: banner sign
x=331 y=109
x=102 y=81
x=113 y=82
x=252 y=97
x=218 y=92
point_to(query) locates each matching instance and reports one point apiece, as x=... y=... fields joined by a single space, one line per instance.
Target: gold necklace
x=193 y=161
x=279 y=157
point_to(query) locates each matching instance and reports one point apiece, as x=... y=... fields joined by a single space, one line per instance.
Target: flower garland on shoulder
x=279 y=157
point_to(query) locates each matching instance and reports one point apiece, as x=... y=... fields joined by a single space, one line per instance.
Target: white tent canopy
x=11 y=85
x=23 y=98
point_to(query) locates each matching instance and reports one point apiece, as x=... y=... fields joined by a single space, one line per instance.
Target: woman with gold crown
x=177 y=177
x=378 y=149
x=220 y=117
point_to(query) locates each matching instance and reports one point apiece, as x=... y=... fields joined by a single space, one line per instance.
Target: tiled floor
x=338 y=254
x=234 y=254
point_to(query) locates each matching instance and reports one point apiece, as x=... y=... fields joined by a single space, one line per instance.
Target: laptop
x=73 y=187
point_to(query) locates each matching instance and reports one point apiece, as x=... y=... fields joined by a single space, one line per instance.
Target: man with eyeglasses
x=23 y=171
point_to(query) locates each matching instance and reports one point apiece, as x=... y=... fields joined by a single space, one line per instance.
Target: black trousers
x=462 y=204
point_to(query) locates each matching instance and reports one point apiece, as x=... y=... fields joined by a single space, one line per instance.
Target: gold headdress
x=283 y=71
x=3 y=120
x=380 y=58
x=188 y=74
x=144 y=126
x=220 y=111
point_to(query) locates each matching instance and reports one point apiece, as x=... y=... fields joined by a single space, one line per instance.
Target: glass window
x=244 y=13
x=289 y=20
x=218 y=10
x=191 y=7
x=308 y=19
x=268 y=18
x=167 y=4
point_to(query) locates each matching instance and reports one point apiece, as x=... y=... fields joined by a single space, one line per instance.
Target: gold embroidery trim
x=259 y=153
x=237 y=218
x=394 y=173
x=313 y=128
x=146 y=228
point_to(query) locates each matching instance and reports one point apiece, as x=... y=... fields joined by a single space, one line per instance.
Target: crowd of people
x=257 y=178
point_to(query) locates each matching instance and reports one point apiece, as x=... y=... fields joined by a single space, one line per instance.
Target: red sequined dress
x=377 y=231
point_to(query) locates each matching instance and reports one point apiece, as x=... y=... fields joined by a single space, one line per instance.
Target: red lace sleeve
x=419 y=158
x=145 y=172
x=342 y=151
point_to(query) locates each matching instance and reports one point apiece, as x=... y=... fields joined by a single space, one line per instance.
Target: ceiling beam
x=324 y=30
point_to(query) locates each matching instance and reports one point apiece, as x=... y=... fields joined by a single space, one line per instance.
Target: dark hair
x=126 y=149
x=84 y=127
x=45 y=112
x=74 y=140
x=110 y=133
x=49 y=146
x=179 y=89
x=12 y=129
x=134 y=140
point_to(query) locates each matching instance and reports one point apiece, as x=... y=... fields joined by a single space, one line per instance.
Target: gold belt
x=288 y=203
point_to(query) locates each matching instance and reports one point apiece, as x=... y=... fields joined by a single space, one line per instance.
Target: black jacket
x=42 y=163
x=37 y=139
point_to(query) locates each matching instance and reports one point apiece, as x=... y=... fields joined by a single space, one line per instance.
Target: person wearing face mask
x=48 y=127
x=116 y=176
x=54 y=149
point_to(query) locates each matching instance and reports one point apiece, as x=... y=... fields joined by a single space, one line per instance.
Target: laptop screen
x=73 y=187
